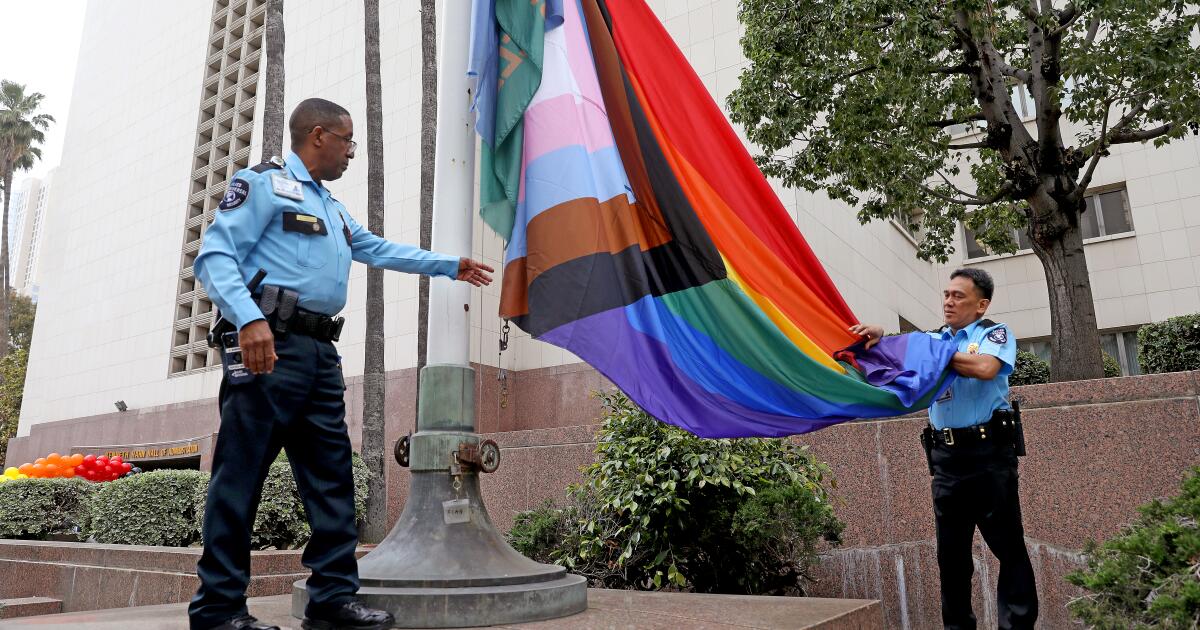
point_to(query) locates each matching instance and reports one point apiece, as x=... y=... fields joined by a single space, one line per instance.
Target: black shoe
x=353 y=615
x=245 y=622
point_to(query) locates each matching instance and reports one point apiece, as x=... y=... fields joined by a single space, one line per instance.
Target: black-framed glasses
x=353 y=144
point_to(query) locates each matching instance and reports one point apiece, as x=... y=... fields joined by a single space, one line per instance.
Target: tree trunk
x=272 y=143
x=374 y=385
x=4 y=279
x=1074 y=340
x=428 y=145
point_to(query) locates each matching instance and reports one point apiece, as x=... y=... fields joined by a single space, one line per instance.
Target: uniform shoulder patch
x=235 y=194
x=265 y=166
x=998 y=335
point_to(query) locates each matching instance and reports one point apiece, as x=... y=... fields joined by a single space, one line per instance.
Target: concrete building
x=148 y=151
x=25 y=270
x=24 y=195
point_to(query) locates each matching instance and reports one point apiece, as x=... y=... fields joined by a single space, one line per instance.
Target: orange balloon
x=52 y=470
x=68 y=472
x=53 y=459
x=76 y=459
x=39 y=470
x=26 y=469
x=40 y=460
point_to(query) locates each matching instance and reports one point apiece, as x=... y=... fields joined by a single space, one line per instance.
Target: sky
x=39 y=48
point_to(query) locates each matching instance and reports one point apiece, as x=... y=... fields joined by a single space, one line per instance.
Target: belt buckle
x=948 y=436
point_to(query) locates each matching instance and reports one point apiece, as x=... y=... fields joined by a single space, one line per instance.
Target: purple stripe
x=642 y=367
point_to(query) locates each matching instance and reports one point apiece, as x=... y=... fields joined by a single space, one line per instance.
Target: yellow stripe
x=784 y=324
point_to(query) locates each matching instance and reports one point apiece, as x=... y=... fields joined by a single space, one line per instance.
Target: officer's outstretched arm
x=981 y=366
x=241 y=219
x=375 y=251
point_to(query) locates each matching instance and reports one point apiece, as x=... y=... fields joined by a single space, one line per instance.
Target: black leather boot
x=245 y=622
x=353 y=615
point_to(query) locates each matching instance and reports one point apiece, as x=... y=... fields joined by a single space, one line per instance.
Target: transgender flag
x=643 y=238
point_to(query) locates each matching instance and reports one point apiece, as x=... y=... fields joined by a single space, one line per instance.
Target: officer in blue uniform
x=972 y=445
x=279 y=217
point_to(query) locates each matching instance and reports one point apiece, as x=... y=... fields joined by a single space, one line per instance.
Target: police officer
x=280 y=217
x=972 y=446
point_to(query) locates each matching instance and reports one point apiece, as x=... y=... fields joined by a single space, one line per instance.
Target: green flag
x=522 y=25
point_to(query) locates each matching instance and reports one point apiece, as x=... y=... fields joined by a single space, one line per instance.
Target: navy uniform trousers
x=975 y=485
x=298 y=407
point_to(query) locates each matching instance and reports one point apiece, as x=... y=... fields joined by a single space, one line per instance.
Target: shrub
x=1170 y=346
x=1029 y=370
x=1112 y=367
x=281 y=522
x=661 y=507
x=37 y=508
x=1146 y=576
x=154 y=508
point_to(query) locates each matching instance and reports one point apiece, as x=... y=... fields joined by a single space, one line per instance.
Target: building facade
x=25 y=193
x=25 y=271
x=148 y=152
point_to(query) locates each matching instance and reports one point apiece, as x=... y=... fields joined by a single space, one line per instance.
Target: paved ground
x=606 y=609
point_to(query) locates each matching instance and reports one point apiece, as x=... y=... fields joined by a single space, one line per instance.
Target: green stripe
x=723 y=312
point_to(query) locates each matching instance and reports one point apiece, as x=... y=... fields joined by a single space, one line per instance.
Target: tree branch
x=1093 y=29
x=1067 y=17
x=962 y=120
x=972 y=201
x=1140 y=135
x=1020 y=74
x=969 y=145
x=1098 y=152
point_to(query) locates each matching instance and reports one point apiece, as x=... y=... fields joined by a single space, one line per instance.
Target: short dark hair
x=310 y=113
x=982 y=279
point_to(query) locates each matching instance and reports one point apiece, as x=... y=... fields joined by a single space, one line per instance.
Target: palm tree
x=374 y=383
x=273 y=103
x=428 y=140
x=21 y=127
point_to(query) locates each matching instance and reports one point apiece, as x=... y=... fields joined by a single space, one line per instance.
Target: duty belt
x=278 y=305
x=316 y=325
x=1002 y=426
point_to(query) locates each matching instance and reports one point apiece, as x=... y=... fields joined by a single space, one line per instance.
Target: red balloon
x=89 y=460
x=126 y=467
x=81 y=470
x=102 y=461
x=116 y=459
x=89 y=474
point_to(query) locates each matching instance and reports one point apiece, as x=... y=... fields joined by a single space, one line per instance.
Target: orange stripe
x=757 y=265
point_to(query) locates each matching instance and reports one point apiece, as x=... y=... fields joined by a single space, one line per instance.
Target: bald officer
x=279 y=217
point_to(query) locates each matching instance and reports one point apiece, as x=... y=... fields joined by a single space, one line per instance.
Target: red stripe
x=698 y=129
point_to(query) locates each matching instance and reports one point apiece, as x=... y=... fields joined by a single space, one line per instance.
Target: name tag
x=285 y=187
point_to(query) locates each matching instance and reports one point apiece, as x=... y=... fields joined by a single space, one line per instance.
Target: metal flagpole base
x=444 y=564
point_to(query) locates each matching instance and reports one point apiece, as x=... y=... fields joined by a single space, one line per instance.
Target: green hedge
x=163 y=507
x=1145 y=577
x=1170 y=346
x=154 y=508
x=1029 y=370
x=38 y=508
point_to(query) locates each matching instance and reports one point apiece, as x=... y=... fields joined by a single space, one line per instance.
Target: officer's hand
x=474 y=272
x=872 y=333
x=258 y=347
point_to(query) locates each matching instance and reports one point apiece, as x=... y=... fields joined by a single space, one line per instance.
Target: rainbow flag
x=643 y=238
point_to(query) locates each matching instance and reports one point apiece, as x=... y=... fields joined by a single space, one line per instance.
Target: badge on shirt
x=235 y=194
x=998 y=335
x=303 y=223
x=285 y=187
x=972 y=348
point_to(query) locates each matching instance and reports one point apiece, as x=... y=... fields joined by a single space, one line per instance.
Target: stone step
x=29 y=607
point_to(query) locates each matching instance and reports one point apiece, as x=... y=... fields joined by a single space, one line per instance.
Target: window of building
x=1118 y=344
x=1107 y=214
x=226 y=123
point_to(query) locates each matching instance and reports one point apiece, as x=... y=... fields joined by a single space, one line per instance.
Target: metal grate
x=223 y=132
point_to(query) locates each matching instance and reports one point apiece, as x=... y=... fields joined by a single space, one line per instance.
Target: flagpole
x=449 y=321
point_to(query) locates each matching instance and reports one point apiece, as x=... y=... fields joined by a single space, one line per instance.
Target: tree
x=858 y=97
x=12 y=368
x=273 y=96
x=374 y=382
x=21 y=128
x=428 y=149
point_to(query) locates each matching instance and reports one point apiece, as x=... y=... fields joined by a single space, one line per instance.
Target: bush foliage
x=663 y=508
x=38 y=508
x=1148 y=576
x=1170 y=346
x=1029 y=370
x=164 y=507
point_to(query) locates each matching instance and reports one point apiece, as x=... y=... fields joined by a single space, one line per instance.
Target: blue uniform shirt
x=280 y=220
x=971 y=401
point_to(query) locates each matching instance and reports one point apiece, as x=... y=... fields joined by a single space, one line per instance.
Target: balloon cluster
x=11 y=473
x=89 y=467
